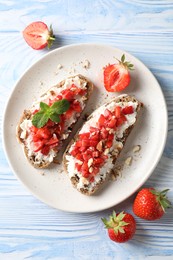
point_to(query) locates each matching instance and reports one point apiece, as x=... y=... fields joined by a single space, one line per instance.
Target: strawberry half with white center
x=117 y=76
x=121 y=227
x=38 y=35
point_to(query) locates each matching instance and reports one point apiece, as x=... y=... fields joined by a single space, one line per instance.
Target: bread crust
x=28 y=115
x=75 y=179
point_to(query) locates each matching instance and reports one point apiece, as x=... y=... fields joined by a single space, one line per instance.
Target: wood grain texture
x=28 y=228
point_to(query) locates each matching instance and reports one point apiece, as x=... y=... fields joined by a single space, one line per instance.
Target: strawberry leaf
x=123 y=58
x=162 y=198
x=116 y=222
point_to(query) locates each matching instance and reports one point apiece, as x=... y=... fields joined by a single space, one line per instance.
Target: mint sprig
x=50 y=112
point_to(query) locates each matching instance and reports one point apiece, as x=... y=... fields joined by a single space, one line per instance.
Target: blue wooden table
x=30 y=229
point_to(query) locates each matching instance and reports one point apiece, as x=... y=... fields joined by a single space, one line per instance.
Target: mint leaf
x=40 y=119
x=55 y=118
x=50 y=112
x=44 y=106
x=60 y=106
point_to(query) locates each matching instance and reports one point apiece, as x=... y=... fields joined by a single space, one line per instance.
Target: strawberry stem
x=51 y=37
x=162 y=198
x=124 y=63
x=115 y=222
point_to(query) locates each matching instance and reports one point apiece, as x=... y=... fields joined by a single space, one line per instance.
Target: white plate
x=53 y=187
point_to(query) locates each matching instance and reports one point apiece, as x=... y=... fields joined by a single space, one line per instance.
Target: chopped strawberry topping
x=48 y=137
x=127 y=110
x=90 y=147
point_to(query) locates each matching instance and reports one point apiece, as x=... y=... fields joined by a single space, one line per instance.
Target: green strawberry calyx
x=50 y=38
x=115 y=222
x=162 y=199
x=127 y=64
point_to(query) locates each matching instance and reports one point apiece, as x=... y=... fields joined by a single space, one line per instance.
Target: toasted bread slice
x=40 y=159
x=91 y=155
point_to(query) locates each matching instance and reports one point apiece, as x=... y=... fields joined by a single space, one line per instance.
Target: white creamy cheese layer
x=80 y=83
x=131 y=119
x=50 y=95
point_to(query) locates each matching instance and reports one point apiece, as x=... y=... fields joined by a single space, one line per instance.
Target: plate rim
x=154 y=165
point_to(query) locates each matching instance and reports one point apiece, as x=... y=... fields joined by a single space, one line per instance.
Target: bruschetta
x=42 y=144
x=91 y=155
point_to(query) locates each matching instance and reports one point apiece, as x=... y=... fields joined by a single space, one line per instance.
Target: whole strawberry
x=151 y=204
x=121 y=226
x=38 y=35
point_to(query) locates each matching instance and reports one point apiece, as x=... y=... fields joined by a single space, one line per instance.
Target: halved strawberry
x=117 y=76
x=38 y=36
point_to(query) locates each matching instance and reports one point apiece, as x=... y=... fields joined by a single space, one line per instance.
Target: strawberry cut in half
x=38 y=36
x=117 y=76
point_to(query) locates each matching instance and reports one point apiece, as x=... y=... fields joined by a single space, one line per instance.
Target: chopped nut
x=64 y=136
x=115 y=152
x=72 y=71
x=84 y=181
x=90 y=161
x=119 y=146
x=113 y=178
x=128 y=161
x=110 y=131
x=106 y=151
x=84 y=98
x=86 y=64
x=52 y=92
x=99 y=146
x=136 y=148
x=91 y=169
x=59 y=66
x=56 y=161
x=79 y=162
x=114 y=174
